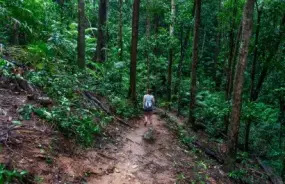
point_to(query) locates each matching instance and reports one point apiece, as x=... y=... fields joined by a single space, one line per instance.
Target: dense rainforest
x=217 y=67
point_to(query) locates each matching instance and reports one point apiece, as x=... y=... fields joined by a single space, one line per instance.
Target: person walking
x=148 y=106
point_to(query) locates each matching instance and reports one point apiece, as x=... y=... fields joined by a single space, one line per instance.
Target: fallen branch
x=91 y=97
x=268 y=170
x=211 y=153
x=99 y=104
x=106 y=156
x=45 y=101
x=24 y=85
x=133 y=141
x=7 y=131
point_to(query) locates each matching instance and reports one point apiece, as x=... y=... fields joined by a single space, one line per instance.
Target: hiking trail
x=119 y=157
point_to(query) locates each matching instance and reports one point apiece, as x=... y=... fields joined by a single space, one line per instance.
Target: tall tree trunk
x=180 y=70
x=230 y=60
x=231 y=52
x=252 y=75
x=283 y=169
x=282 y=124
x=171 y=34
x=195 y=53
x=217 y=51
x=234 y=58
x=203 y=43
x=281 y=117
x=101 y=38
x=120 y=43
x=147 y=49
x=266 y=65
x=16 y=31
x=133 y=70
x=81 y=34
x=238 y=86
x=255 y=53
x=264 y=72
x=182 y=56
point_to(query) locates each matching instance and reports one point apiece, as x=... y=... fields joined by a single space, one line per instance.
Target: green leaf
x=17 y=123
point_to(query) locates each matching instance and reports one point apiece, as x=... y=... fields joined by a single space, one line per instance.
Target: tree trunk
x=283 y=169
x=230 y=61
x=238 y=86
x=120 y=43
x=182 y=55
x=101 y=38
x=217 y=51
x=234 y=58
x=282 y=124
x=195 y=53
x=81 y=34
x=180 y=71
x=255 y=53
x=264 y=72
x=203 y=43
x=281 y=117
x=147 y=50
x=171 y=33
x=135 y=27
x=266 y=65
x=231 y=52
x=252 y=75
x=16 y=31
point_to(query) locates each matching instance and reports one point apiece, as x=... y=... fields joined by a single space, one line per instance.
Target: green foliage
x=124 y=107
x=26 y=112
x=8 y=176
x=184 y=137
x=237 y=174
x=5 y=68
x=259 y=111
x=212 y=108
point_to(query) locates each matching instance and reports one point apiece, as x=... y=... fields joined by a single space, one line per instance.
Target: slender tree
x=195 y=53
x=253 y=71
x=281 y=134
x=231 y=52
x=238 y=85
x=217 y=49
x=228 y=90
x=16 y=32
x=133 y=65
x=184 y=45
x=101 y=38
x=148 y=27
x=81 y=34
x=264 y=72
x=120 y=42
x=171 y=34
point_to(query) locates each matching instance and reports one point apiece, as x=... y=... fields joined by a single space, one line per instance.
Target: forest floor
x=120 y=155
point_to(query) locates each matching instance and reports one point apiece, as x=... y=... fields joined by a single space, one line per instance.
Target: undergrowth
x=11 y=176
x=71 y=112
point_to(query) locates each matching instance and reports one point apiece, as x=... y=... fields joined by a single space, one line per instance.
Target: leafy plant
x=7 y=176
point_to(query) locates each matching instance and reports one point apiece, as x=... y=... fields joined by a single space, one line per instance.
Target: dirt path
x=140 y=162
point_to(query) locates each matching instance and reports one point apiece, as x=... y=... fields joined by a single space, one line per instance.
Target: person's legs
x=149 y=117
x=145 y=119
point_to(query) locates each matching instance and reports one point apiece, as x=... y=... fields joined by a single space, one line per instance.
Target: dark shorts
x=148 y=111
